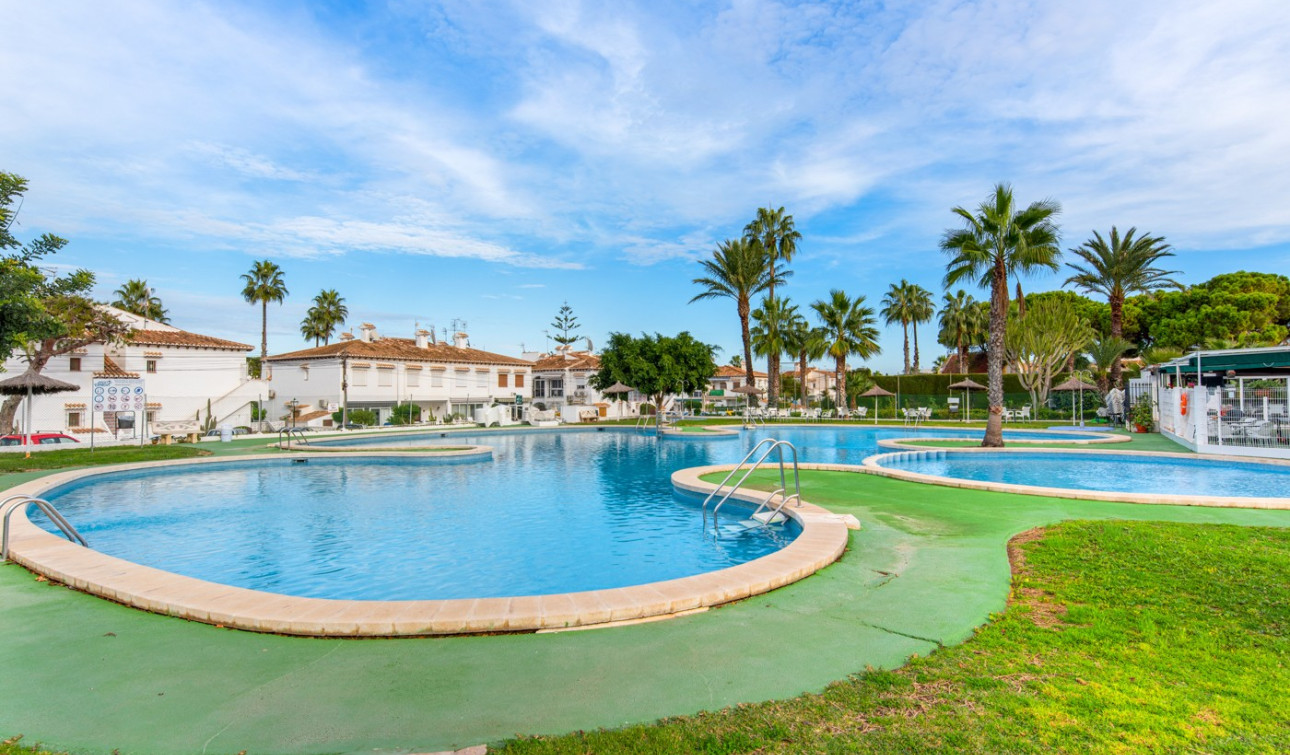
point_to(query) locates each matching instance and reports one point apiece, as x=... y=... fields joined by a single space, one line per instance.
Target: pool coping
x=906 y=444
x=822 y=540
x=873 y=465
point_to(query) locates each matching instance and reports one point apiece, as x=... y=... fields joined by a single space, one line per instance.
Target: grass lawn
x=1137 y=442
x=1120 y=636
x=84 y=457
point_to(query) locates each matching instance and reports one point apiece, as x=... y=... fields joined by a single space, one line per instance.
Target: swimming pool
x=554 y=512
x=1138 y=475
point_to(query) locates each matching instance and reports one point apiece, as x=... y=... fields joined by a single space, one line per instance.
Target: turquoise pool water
x=1123 y=473
x=552 y=512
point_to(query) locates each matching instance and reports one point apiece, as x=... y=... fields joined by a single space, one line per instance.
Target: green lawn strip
x=1137 y=442
x=1124 y=636
x=84 y=457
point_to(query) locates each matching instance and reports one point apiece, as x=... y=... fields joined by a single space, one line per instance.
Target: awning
x=1239 y=361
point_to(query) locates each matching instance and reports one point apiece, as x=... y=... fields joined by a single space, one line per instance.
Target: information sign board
x=119 y=395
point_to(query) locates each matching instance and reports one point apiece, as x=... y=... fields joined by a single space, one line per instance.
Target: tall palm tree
x=806 y=343
x=313 y=326
x=136 y=296
x=264 y=284
x=778 y=235
x=921 y=310
x=1120 y=268
x=997 y=241
x=772 y=329
x=962 y=325
x=896 y=307
x=738 y=271
x=849 y=328
x=331 y=312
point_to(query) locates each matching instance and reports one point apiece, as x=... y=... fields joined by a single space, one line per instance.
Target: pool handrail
x=775 y=445
x=15 y=502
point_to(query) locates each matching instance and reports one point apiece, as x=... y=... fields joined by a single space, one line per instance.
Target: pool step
x=769 y=517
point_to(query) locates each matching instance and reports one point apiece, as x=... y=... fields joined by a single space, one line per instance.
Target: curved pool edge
x=1102 y=438
x=822 y=540
x=873 y=465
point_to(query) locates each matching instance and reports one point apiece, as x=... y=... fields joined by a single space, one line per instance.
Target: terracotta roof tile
x=578 y=360
x=404 y=349
x=183 y=338
x=727 y=371
x=113 y=370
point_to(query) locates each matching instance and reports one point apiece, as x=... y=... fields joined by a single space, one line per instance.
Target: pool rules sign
x=119 y=395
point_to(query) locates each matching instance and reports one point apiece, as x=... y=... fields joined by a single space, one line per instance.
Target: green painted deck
x=87 y=675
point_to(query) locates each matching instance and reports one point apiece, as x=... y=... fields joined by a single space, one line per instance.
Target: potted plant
x=1141 y=415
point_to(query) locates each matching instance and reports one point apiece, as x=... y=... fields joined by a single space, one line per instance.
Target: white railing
x=1228 y=420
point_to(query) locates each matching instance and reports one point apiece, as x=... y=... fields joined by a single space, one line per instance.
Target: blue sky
x=488 y=161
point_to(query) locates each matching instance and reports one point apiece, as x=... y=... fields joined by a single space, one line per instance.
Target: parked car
x=38 y=439
x=239 y=430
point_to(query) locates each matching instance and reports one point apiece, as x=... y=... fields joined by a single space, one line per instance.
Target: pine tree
x=565 y=325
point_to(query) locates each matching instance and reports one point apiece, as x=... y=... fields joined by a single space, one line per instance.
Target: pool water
x=1121 y=473
x=552 y=512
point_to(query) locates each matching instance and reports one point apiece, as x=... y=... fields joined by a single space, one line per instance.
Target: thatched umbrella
x=618 y=388
x=1075 y=384
x=747 y=390
x=967 y=385
x=877 y=391
x=30 y=383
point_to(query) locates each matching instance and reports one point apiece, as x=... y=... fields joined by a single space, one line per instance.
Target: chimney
x=367 y=332
x=461 y=340
x=422 y=342
x=346 y=336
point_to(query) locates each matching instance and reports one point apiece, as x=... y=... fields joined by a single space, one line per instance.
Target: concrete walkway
x=930 y=565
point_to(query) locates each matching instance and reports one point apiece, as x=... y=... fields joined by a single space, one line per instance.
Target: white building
x=561 y=384
x=375 y=372
x=181 y=372
x=722 y=385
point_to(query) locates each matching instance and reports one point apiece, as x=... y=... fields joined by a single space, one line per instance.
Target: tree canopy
x=1234 y=309
x=656 y=365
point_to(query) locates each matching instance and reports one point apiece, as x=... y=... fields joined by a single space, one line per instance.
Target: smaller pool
x=1110 y=472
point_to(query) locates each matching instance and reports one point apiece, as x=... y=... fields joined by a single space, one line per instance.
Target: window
x=152 y=416
x=481 y=379
x=74 y=365
x=150 y=365
x=502 y=380
x=556 y=387
x=360 y=377
x=73 y=420
x=460 y=380
x=414 y=377
x=436 y=379
x=539 y=387
x=519 y=380
x=384 y=377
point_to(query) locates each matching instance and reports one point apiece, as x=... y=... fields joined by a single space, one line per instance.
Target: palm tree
x=1105 y=353
x=331 y=312
x=896 y=307
x=962 y=325
x=921 y=310
x=737 y=271
x=849 y=328
x=996 y=241
x=1118 y=269
x=770 y=335
x=778 y=235
x=313 y=326
x=806 y=343
x=136 y=297
x=264 y=284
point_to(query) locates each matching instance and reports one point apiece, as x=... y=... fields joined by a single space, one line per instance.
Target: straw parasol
x=1075 y=384
x=620 y=389
x=747 y=390
x=967 y=385
x=876 y=392
x=31 y=383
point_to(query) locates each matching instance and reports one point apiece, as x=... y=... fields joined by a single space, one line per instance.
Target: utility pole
x=344 y=392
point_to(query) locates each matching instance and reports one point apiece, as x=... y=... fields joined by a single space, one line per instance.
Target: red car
x=38 y=439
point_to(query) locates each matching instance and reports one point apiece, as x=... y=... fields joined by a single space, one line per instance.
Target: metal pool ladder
x=763 y=516
x=15 y=502
x=289 y=433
